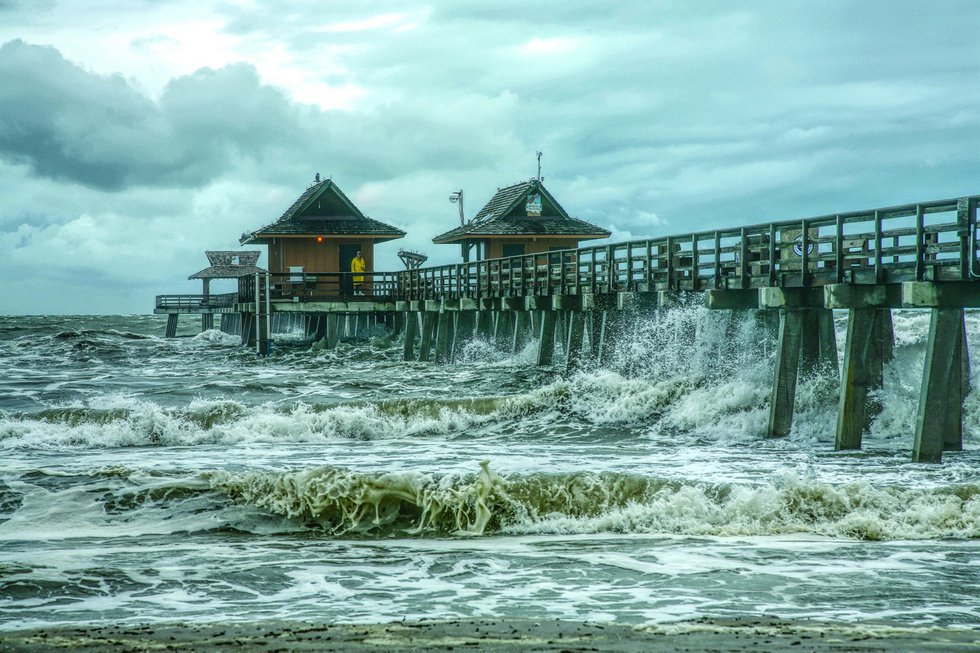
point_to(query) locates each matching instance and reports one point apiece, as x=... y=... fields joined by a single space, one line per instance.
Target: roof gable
x=523 y=209
x=229 y=265
x=323 y=209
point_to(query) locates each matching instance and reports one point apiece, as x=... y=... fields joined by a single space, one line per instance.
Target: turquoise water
x=149 y=479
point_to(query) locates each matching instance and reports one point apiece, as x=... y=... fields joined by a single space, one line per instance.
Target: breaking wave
x=340 y=502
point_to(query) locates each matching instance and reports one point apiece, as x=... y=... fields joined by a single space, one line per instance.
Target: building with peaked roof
x=320 y=233
x=520 y=219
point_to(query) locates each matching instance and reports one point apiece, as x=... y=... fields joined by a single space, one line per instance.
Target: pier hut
x=224 y=265
x=320 y=233
x=521 y=219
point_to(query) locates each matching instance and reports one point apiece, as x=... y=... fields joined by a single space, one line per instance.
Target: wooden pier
x=917 y=257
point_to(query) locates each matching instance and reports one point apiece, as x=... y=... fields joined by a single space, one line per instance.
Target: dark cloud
x=70 y=124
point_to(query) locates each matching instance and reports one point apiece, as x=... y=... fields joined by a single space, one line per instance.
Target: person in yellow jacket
x=358 y=264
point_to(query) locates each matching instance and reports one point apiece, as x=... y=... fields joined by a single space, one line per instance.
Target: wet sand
x=502 y=635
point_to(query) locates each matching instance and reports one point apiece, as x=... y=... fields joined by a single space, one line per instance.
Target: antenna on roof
x=539 y=166
x=318 y=177
x=457 y=197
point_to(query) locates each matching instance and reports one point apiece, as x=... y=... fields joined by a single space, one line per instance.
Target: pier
x=869 y=263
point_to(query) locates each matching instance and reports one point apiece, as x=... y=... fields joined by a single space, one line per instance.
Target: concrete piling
x=859 y=376
x=787 y=365
x=429 y=320
x=465 y=328
x=411 y=330
x=546 y=338
x=573 y=348
x=522 y=329
x=942 y=372
x=444 y=325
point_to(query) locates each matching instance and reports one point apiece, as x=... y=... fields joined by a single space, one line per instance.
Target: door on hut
x=347 y=253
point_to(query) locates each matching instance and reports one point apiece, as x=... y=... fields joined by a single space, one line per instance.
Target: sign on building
x=534 y=204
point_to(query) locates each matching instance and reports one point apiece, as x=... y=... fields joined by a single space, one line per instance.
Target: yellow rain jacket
x=358 y=264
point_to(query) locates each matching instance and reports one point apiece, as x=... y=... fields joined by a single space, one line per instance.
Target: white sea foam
x=569 y=503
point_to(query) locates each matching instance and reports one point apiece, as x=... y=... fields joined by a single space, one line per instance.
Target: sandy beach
x=507 y=635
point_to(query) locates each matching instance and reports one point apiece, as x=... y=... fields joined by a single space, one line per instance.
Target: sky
x=136 y=134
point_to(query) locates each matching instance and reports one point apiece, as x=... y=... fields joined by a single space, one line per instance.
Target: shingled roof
x=505 y=215
x=229 y=265
x=323 y=210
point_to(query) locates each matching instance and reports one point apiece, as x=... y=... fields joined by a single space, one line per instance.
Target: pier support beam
x=862 y=372
x=784 y=380
x=172 y=325
x=207 y=322
x=522 y=327
x=939 y=423
x=443 y=328
x=465 y=326
x=411 y=330
x=320 y=329
x=504 y=329
x=429 y=319
x=610 y=333
x=573 y=348
x=546 y=338
x=248 y=329
x=332 y=331
x=484 y=324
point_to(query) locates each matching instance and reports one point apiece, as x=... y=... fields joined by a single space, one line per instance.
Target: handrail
x=934 y=240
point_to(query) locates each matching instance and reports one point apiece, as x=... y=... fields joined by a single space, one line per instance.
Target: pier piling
x=546 y=338
x=429 y=319
x=941 y=380
x=784 y=380
x=411 y=330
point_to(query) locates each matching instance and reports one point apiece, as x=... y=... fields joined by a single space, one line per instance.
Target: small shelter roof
x=229 y=265
x=508 y=213
x=323 y=210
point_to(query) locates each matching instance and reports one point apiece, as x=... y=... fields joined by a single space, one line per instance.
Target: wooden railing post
x=743 y=259
x=717 y=259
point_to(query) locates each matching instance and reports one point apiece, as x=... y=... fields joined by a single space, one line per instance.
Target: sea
x=146 y=479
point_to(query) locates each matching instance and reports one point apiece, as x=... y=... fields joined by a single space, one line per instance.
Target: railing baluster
x=920 y=243
x=743 y=263
x=772 y=255
x=839 y=248
x=694 y=261
x=717 y=259
x=879 y=272
x=804 y=254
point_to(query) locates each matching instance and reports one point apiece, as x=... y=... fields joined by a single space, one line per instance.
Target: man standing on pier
x=358 y=264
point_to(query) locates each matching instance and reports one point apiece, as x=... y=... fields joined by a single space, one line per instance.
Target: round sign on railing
x=798 y=246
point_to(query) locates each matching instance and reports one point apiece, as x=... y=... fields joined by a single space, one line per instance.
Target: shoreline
x=491 y=634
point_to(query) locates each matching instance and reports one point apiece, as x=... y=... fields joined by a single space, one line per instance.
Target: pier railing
x=194 y=302
x=926 y=241
x=324 y=286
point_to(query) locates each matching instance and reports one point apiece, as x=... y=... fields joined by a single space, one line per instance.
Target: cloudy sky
x=135 y=134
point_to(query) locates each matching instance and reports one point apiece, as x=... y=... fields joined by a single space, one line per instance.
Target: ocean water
x=152 y=479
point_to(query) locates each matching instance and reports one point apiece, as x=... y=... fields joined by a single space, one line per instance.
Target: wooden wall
x=314 y=256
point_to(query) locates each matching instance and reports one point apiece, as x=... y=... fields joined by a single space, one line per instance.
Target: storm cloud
x=133 y=137
x=73 y=125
